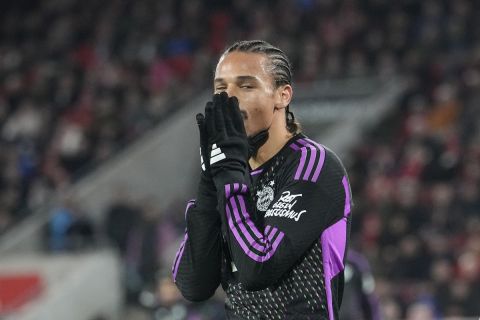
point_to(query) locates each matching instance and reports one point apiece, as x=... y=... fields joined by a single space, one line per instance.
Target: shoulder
x=311 y=161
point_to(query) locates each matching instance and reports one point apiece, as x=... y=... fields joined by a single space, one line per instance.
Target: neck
x=278 y=137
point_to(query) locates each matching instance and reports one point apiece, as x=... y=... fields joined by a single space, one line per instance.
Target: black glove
x=226 y=135
x=204 y=159
x=206 y=193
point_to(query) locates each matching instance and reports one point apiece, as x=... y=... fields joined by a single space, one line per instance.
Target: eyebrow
x=238 y=79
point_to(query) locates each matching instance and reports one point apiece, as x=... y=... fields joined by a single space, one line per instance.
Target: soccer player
x=272 y=214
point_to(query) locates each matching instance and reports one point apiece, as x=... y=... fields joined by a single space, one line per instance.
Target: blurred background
x=99 y=148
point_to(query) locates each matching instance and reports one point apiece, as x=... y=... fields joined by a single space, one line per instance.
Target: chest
x=266 y=185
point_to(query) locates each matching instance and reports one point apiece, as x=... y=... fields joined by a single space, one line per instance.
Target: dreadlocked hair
x=280 y=69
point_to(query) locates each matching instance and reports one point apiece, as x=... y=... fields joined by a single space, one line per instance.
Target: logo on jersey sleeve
x=284 y=207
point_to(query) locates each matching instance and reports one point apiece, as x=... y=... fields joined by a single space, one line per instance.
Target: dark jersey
x=278 y=244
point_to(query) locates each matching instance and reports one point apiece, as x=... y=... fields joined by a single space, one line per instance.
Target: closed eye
x=220 y=88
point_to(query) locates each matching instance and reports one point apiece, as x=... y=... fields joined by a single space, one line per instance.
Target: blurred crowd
x=416 y=180
x=79 y=80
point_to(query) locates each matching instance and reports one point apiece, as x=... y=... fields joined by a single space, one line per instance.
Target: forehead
x=237 y=64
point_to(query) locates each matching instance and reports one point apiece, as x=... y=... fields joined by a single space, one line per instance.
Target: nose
x=229 y=91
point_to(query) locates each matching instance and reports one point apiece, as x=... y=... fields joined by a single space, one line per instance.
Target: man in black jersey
x=272 y=214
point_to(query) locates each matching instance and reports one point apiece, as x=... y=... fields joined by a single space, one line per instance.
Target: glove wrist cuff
x=225 y=177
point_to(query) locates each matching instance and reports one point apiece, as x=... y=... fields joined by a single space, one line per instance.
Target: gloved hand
x=226 y=136
x=204 y=155
x=206 y=193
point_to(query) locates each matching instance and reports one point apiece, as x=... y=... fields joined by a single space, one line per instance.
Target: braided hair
x=279 y=67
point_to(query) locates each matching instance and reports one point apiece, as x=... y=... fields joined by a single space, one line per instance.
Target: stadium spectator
x=143 y=250
x=69 y=228
x=121 y=216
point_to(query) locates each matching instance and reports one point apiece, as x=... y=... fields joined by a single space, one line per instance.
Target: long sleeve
x=311 y=203
x=197 y=266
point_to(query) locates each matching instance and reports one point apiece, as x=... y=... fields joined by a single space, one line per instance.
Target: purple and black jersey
x=278 y=243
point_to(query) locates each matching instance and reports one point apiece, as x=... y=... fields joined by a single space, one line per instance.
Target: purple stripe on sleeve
x=245 y=215
x=272 y=250
x=313 y=157
x=296 y=147
x=269 y=249
x=311 y=162
x=244 y=246
x=347 y=210
x=178 y=257
x=250 y=240
x=272 y=234
x=320 y=162
x=227 y=191
x=255 y=172
x=333 y=241
x=189 y=204
x=302 y=163
x=267 y=228
x=235 y=232
x=247 y=218
x=239 y=222
x=179 y=254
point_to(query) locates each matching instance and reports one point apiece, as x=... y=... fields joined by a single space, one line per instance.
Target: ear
x=283 y=96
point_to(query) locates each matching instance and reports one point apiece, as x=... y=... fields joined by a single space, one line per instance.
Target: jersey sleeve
x=313 y=196
x=197 y=265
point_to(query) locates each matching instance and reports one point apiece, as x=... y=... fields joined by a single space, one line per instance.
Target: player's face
x=245 y=76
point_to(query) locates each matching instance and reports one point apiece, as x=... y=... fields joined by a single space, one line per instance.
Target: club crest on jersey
x=265 y=197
